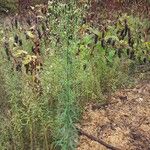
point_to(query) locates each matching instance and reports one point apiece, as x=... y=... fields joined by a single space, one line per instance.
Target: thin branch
x=91 y=137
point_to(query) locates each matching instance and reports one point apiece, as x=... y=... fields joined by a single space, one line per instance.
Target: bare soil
x=123 y=123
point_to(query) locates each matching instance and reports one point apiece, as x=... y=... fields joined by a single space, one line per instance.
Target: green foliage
x=59 y=67
x=9 y=5
x=27 y=119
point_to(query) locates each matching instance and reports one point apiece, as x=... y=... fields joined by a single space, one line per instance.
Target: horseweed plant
x=62 y=69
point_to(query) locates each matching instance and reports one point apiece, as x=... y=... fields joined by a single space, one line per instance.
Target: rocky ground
x=123 y=123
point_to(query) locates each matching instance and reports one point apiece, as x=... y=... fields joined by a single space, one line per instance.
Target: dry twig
x=91 y=137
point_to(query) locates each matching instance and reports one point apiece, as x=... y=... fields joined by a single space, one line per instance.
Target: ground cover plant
x=53 y=62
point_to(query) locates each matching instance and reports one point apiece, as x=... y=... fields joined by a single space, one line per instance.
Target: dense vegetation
x=11 y=6
x=7 y=5
x=53 y=61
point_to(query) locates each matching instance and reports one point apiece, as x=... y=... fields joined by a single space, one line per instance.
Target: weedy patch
x=53 y=62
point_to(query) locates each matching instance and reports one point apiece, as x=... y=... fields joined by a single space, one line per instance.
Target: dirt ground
x=124 y=123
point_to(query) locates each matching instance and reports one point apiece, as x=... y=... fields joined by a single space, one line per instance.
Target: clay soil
x=123 y=123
